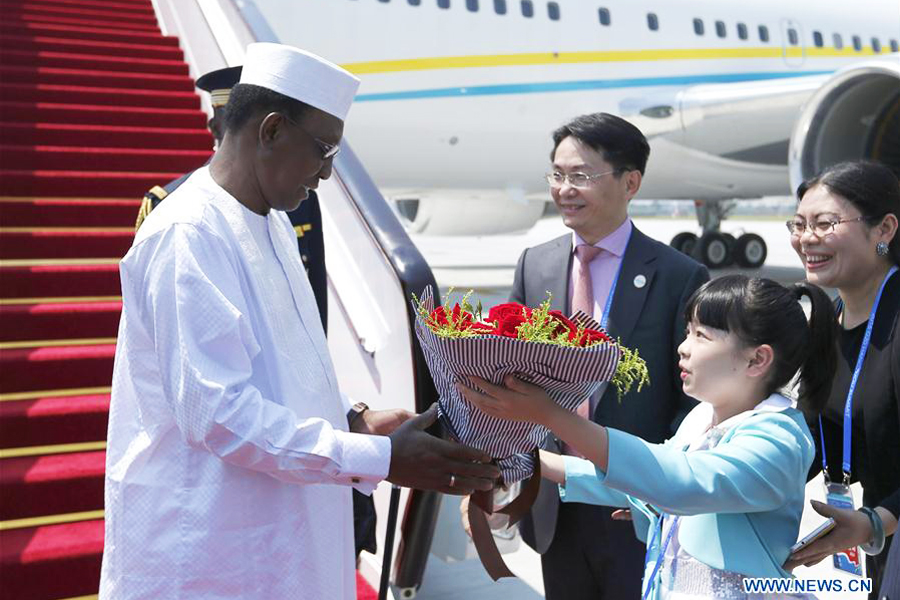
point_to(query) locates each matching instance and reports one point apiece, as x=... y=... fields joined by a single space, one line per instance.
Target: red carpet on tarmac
x=96 y=107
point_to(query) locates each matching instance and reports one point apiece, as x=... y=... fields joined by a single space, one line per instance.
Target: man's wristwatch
x=354 y=413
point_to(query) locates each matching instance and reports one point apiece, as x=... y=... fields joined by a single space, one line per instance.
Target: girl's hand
x=517 y=401
x=851 y=529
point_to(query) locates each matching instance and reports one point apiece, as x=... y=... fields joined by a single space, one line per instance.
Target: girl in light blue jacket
x=721 y=501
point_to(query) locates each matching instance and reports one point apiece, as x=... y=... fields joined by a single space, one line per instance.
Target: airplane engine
x=464 y=212
x=855 y=114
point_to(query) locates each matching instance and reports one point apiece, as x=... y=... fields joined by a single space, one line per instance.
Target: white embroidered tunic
x=229 y=463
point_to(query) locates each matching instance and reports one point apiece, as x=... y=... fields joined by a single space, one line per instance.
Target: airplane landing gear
x=750 y=251
x=716 y=249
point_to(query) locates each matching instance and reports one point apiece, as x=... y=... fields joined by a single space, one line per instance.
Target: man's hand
x=851 y=528
x=381 y=422
x=420 y=460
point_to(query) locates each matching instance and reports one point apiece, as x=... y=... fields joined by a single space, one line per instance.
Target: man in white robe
x=229 y=459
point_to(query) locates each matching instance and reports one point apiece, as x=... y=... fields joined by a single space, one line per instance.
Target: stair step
x=48 y=485
x=59 y=321
x=101 y=159
x=88 y=77
x=66 y=243
x=87 y=33
x=53 y=561
x=54 y=420
x=68 y=212
x=109 y=184
x=126 y=6
x=145 y=17
x=90 y=47
x=21 y=19
x=48 y=281
x=102 y=136
x=116 y=97
x=79 y=114
x=70 y=60
x=29 y=369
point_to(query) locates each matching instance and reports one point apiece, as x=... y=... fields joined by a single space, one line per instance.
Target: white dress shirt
x=229 y=463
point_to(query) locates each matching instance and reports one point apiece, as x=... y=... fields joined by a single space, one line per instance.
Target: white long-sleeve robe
x=229 y=464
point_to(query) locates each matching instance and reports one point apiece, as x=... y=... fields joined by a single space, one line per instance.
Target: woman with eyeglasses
x=845 y=232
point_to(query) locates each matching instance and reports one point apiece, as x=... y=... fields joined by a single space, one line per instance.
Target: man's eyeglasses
x=579 y=181
x=327 y=150
x=798 y=227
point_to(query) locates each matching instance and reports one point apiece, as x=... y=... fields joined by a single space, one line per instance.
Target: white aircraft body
x=458 y=97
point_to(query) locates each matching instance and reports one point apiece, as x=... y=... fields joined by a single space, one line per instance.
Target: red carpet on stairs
x=96 y=107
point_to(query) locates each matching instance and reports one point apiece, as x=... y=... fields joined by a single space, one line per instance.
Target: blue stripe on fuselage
x=580 y=86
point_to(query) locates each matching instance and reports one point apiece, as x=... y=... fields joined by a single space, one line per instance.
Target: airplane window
x=793 y=38
x=652 y=21
x=857 y=43
x=415 y=2
x=742 y=31
x=876 y=45
x=838 y=42
x=472 y=5
x=720 y=29
x=817 y=39
x=894 y=46
x=698 y=26
x=553 y=11
x=384 y=1
x=527 y=9
x=604 y=16
x=763 y=33
x=500 y=7
x=443 y=4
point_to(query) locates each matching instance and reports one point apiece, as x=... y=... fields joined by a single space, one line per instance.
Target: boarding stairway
x=96 y=107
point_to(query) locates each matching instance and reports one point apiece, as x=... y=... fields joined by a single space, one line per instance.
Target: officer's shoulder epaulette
x=152 y=197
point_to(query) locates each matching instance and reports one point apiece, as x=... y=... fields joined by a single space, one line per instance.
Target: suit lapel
x=556 y=280
x=629 y=298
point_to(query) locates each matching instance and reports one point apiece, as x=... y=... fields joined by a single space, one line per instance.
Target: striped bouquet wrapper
x=570 y=375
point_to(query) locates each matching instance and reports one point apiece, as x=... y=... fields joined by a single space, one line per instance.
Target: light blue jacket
x=740 y=502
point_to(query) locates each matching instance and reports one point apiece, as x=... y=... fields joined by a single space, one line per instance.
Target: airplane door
x=793 y=45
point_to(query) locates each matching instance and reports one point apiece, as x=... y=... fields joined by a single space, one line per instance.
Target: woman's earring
x=881 y=249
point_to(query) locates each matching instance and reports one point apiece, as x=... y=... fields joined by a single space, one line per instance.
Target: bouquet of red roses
x=569 y=357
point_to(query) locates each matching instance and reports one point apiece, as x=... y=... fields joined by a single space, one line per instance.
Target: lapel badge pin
x=640 y=281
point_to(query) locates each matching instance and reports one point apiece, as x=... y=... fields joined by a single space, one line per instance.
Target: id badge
x=838 y=495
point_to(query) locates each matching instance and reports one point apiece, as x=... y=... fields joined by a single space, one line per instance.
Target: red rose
x=462 y=317
x=508 y=325
x=501 y=311
x=564 y=323
x=482 y=328
x=438 y=316
x=591 y=336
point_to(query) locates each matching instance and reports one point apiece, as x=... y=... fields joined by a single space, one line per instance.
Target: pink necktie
x=583 y=300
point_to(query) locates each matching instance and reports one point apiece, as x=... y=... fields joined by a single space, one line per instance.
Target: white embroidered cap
x=300 y=75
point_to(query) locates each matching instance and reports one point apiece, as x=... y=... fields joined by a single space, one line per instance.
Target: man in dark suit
x=638 y=288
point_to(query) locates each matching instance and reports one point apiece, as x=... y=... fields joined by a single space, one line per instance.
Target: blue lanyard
x=604 y=320
x=662 y=552
x=848 y=404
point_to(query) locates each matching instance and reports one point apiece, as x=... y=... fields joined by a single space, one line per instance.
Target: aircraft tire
x=714 y=250
x=750 y=251
x=684 y=242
